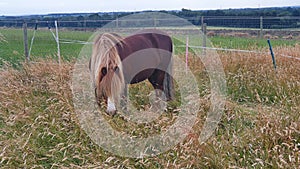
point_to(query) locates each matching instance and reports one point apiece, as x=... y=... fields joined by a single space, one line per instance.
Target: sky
x=29 y=7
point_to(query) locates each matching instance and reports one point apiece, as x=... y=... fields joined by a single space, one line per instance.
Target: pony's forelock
x=105 y=54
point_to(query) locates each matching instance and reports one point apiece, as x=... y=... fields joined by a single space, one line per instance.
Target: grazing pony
x=118 y=61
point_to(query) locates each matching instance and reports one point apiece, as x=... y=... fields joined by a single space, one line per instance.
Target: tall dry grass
x=262 y=123
x=2 y=38
x=259 y=129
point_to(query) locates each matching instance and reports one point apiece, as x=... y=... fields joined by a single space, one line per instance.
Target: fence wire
x=248 y=27
x=214 y=21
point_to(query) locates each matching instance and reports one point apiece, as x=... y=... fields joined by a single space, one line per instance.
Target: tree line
x=284 y=17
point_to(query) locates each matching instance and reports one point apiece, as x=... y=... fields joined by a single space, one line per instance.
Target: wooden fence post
x=25 y=37
x=186 y=53
x=261 y=28
x=117 y=22
x=84 y=24
x=202 y=23
x=204 y=38
x=155 y=22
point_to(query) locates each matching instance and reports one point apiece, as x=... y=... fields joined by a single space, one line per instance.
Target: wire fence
x=44 y=42
x=212 y=21
x=270 y=27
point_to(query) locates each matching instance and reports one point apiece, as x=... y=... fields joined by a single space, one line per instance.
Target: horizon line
x=128 y=11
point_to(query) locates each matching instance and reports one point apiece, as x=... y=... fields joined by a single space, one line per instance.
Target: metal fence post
x=57 y=41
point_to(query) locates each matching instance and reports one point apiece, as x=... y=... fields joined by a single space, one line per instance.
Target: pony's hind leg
x=157 y=81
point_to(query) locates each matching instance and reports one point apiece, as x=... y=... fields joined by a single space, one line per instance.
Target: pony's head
x=106 y=71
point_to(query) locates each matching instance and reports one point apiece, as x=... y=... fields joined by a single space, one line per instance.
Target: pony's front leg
x=124 y=99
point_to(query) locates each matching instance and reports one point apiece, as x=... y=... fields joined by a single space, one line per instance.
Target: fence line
x=238 y=50
x=72 y=41
x=219 y=21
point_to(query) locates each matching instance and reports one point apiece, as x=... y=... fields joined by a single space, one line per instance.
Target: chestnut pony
x=118 y=61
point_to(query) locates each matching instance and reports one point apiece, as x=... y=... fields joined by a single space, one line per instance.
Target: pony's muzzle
x=111 y=108
x=112 y=112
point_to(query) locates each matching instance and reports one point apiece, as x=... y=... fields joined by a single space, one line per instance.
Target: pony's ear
x=118 y=45
x=116 y=69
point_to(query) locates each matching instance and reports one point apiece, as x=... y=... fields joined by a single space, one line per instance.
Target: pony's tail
x=169 y=83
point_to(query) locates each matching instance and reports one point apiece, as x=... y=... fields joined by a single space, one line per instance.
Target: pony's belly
x=139 y=77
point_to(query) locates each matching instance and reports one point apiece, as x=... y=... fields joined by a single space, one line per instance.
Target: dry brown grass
x=265 y=124
x=2 y=38
x=259 y=129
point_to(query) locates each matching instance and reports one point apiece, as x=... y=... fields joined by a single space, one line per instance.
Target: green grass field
x=44 y=45
x=259 y=128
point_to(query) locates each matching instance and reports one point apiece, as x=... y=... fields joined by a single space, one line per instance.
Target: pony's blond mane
x=106 y=55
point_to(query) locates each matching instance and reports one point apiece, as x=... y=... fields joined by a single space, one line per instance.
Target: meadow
x=260 y=126
x=44 y=45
